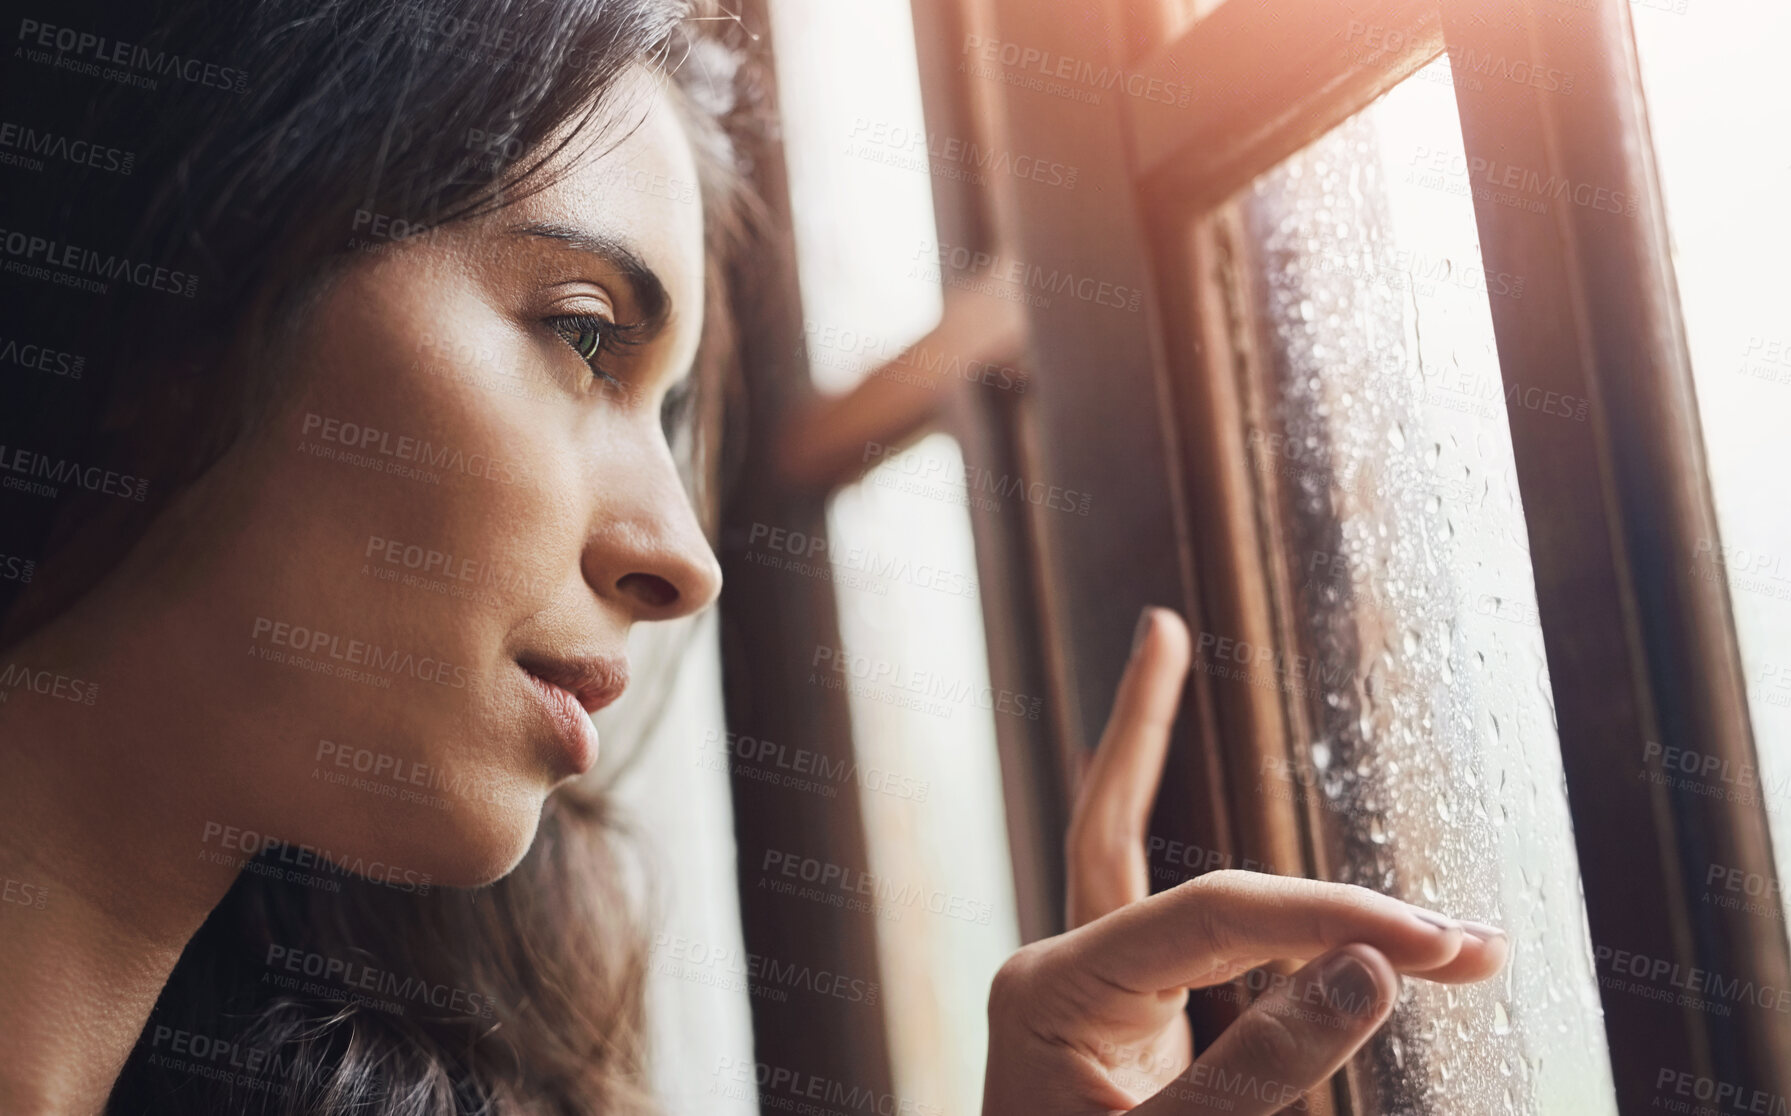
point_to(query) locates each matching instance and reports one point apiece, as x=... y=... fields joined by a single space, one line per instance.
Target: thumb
x=1290 y=1040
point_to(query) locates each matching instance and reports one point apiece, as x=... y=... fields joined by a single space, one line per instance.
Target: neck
x=102 y=882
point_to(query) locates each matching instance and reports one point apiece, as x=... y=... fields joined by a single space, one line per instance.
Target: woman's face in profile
x=386 y=607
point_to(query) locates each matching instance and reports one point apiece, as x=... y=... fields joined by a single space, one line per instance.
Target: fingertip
x=1483 y=954
x=1174 y=631
x=1437 y=954
x=1413 y=939
x=1485 y=951
x=1158 y=623
x=1498 y=951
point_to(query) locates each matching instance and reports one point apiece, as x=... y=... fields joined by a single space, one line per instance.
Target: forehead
x=630 y=176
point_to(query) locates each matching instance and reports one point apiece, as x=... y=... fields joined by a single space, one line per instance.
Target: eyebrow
x=644 y=283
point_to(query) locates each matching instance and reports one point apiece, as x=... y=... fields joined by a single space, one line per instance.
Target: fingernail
x=1142 y=630
x=1349 y=986
x=1482 y=931
x=1434 y=920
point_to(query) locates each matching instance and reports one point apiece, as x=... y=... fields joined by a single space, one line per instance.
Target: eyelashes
x=597 y=340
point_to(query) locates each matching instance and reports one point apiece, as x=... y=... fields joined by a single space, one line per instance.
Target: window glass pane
x=856 y=145
x=1714 y=76
x=923 y=727
x=1433 y=768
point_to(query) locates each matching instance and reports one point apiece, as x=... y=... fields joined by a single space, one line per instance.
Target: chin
x=415 y=846
x=472 y=845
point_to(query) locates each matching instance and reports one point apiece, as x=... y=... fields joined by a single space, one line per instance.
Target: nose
x=646 y=551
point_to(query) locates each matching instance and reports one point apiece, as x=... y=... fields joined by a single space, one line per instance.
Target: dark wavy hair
x=256 y=131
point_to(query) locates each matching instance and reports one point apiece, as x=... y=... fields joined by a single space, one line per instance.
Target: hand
x=1092 y=1022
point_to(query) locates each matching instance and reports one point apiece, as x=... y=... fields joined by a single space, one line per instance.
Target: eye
x=595 y=339
x=584 y=333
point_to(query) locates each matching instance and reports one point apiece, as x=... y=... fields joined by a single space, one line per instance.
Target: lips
x=593 y=682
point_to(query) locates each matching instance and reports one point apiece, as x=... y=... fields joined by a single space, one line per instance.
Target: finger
x=1290 y=1040
x=1484 y=952
x=1105 y=840
x=1123 y=776
x=1212 y=928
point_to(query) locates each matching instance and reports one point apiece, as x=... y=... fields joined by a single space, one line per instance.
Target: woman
x=384 y=351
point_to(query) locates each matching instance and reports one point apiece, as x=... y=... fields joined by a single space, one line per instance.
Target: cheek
x=428 y=447
x=404 y=514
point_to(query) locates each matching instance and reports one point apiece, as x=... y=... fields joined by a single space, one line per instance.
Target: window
x=1429 y=761
x=1354 y=337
